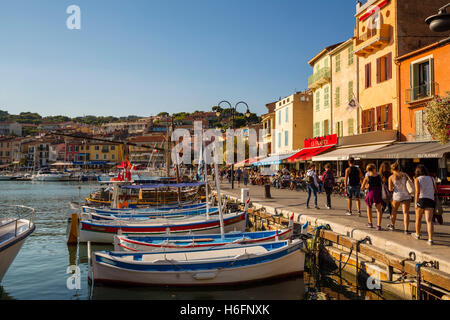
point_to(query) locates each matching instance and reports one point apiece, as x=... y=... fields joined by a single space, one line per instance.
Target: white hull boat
x=216 y=266
x=99 y=231
x=13 y=233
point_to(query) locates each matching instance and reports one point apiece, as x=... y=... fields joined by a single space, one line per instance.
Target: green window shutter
x=317 y=100
x=279 y=139
x=286 y=138
x=350 y=126
x=316 y=129
x=338 y=62
x=350 y=55
x=326 y=96
x=338 y=97
x=350 y=90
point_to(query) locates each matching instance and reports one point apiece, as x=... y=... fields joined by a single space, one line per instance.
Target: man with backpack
x=352 y=181
x=328 y=183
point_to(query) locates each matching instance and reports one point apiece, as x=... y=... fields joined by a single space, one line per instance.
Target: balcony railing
x=428 y=90
x=372 y=40
x=319 y=78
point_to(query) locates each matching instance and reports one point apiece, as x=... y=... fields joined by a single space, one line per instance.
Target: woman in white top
x=400 y=196
x=424 y=198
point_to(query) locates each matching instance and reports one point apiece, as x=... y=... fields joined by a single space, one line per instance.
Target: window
x=337 y=97
x=421 y=79
x=97 y=148
x=286 y=138
x=421 y=130
x=338 y=62
x=279 y=117
x=350 y=90
x=317 y=100
x=113 y=147
x=112 y=156
x=350 y=128
x=279 y=139
x=368 y=74
x=104 y=157
x=350 y=55
x=384 y=117
x=384 y=68
x=368 y=120
x=340 y=128
x=70 y=149
x=326 y=127
x=316 y=129
x=96 y=156
x=287 y=115
x=326 y=96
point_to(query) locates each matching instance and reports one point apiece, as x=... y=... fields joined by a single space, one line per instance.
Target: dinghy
x=104 y=231
x=13 y=233
x=177 y=242
x=214 y=266
x=146 y=216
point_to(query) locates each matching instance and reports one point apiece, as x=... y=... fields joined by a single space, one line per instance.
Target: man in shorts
x=352 y=181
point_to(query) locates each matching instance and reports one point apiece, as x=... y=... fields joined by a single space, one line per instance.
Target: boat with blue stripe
x=201 y=267
x=177 y=242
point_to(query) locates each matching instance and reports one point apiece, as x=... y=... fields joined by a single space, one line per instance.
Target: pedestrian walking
x=373 y=183
x=312 y=185
x=400 y=196
x=385 y=173
x=238 y=176
x=328 y=183
x=245 y=176
x=424 y=198
x=352 y=183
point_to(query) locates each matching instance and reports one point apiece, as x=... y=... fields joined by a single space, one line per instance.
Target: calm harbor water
x=39 y=270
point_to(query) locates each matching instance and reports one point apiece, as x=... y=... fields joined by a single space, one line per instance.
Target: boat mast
x=219 y=199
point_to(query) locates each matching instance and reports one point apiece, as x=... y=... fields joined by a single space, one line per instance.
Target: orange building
x=424 y=74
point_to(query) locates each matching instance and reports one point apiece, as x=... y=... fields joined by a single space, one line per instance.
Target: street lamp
x=247 y=115
x=439 y=22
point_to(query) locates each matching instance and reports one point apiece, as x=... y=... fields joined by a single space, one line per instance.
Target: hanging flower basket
x=437 y=118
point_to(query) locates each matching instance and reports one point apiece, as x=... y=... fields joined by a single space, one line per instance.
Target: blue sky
x=141 y=57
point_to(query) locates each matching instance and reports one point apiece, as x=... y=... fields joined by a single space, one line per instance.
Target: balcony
x=425 y=91
x=319 y=78
x=372 y=40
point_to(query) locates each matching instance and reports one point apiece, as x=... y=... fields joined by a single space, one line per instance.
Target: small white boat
x=214 y=266
x=103 y=231
x=13 y=233
x=6 y=177
x=50 y=176
x=191 y=242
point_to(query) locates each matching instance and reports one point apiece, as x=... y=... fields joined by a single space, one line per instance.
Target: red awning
x=307 y=153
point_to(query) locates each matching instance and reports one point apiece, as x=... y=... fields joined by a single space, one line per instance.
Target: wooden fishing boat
x=214 y=266
x=168 y=209
x=149 y=215
x=104 y=231
x=177 y=242
x=13 y=233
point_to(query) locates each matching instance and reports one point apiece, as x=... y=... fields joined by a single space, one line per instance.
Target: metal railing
x=322 y=73
x=427 y=90
x=383 y=31
x=19 y=217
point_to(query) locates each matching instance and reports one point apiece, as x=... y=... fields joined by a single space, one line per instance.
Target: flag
x=353 y=104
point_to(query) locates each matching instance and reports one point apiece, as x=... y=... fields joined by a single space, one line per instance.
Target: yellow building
x=102 y=151
x=268 y=123
x=293 y=122
x=320 y=84
x=6 y=147
x=343 y=89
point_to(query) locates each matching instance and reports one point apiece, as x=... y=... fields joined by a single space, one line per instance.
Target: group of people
x=386 y=190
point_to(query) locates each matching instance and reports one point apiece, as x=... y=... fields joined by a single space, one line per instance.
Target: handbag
x=410 y=185
x=386 y=195
x=438 y=210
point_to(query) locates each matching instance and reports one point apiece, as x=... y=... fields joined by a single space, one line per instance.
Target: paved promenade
x=286 y=201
